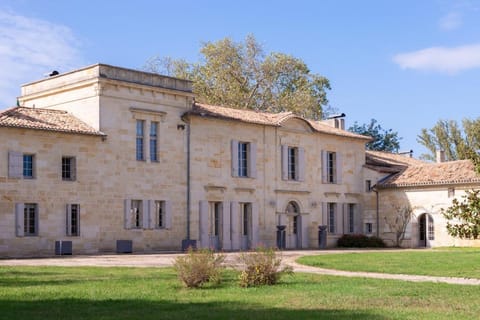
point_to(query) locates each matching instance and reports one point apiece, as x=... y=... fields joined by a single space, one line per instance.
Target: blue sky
x=406 y=63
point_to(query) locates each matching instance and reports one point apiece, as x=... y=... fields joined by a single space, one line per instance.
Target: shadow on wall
x=398 y=223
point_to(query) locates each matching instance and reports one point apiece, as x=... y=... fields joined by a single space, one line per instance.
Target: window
x=244 y=159
x=136 y=211
x=295 y=225
x=368 y=228
x=451 y=192
x=30 y=221
x=160 y=214
x=331 y=209
x=293 y=163
x=140 y=137
x=331 y=167
x=431 y=230
x=73 y=220
x=246 y=209
x=351 y=218
x=153 y=141
x=28 y=166
x=216 y=216
x=68 y=168
x=368 y=185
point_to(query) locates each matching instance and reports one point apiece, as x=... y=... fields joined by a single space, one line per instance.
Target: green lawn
x=449 y=262
x=148 y=293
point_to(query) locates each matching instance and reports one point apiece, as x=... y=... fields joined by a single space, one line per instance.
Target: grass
x=449 y=262
x=150 y=293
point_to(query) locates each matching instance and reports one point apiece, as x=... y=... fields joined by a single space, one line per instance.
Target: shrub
x=360 y=241
x=199 y=267
x=261 y=267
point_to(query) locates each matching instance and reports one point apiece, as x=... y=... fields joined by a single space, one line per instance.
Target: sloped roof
x=389 y=162
x=451 y=172
x=45 y=119
x=265 y=118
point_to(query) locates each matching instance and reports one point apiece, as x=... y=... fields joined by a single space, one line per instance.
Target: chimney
x=440 y=156
x=336 y=121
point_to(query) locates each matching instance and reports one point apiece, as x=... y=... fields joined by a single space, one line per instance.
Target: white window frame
x=33 y=167
x=244 y=159
x=293 y=163
x=332 y=217
x=23 y=219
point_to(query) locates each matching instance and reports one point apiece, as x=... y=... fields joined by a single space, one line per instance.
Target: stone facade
x=130 y=156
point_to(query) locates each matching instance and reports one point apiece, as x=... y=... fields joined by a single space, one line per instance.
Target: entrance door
x=246 y=216
x=216 y=225
x=426 y=230
x=295 y=226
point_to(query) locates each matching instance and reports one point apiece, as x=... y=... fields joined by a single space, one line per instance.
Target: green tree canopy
x=463 y=217
x=457 y=142
x=383 y=140
x=241 y=75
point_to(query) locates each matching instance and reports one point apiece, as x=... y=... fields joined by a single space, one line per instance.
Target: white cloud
x=29 y=48
x=441 y=59
x=451 y=21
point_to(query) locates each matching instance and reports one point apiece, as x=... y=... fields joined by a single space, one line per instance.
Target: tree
x=241 y=75
x=464 y=216
x=383 y=140
x=398 y=222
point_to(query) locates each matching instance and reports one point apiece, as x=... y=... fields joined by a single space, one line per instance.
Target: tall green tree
x=241 y=75
x=459 y=142
x=463 y=217
x=383 y=140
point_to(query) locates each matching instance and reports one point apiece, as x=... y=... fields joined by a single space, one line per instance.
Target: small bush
x=199 y=267
x=261 y=267
x=360 y=241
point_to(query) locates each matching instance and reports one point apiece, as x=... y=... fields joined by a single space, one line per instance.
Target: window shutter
x=357 y=209
x=255 y=223
x=168 y=214
x=345 y=218
x=69 y=220
x=236 y=221
x=19 y=219
x=128 y=213
x=203 y=224
x=324 y=156
x=74 y=168
x=234 y=158
x=226 y=226
x=252 y=160
x=145 y=214
x=301 y=164
x=152 y=215
x=15 y=164
x=339 y=168
x=284 y=162
x=324 y=213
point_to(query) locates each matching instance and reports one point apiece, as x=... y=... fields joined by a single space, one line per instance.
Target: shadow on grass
x=144 y=309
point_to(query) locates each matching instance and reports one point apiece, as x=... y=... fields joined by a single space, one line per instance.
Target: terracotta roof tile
x=45 y=119
x=452 y=172
x=265 y=118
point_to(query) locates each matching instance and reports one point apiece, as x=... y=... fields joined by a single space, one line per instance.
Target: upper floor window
x=140 y=140
x=68 y=168
x=368 y=185
x=244 y=157
x=28 y=166
x=293 y=163
x=331 y=167
x=153 y=141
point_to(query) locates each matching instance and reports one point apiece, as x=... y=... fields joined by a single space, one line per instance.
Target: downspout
x=374 y=188
x=188 y=180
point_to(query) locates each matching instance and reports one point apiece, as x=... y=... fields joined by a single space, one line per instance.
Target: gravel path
x=167 y=259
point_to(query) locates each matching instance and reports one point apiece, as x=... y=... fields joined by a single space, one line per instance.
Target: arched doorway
x=426 y=230
x=294 y=225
